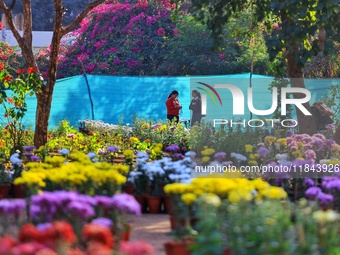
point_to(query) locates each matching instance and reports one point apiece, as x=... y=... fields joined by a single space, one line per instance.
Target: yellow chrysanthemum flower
x=282 y=141
x=205 y=159
x=188 y=198
x=249 y=148
x=274 y=193
x=129 y=154
x=270 y=139
x=134 y=139
x=211 y=199
x=207 y=151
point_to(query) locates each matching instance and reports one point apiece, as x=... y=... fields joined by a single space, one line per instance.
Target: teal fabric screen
x=112 y=98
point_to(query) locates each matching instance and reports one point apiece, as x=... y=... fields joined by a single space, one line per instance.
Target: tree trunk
x=44 y=99
x=337 y=135
x=306 y=123
x=44 y=102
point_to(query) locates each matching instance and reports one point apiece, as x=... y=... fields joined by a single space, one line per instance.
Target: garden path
x=152 y=228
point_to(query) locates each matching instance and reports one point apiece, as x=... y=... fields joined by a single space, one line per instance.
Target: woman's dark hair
x=197 y=93
x=175 y=92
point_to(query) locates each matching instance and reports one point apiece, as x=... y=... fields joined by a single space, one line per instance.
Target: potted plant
x=184 y=235
x=140 y=179
x=5 y=181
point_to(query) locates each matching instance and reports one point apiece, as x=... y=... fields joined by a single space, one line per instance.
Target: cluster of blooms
x=51 y=238
x=102 y=127
x=232 y=189
x=58 y=215
x=164 y=170
x=326 y=194
x=49 y=206
x=76 y=174
x=134 y=29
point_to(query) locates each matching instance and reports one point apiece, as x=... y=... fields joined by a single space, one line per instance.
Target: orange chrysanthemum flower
x=10 y=100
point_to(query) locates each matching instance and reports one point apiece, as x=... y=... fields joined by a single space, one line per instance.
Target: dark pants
x=172 y=117
x=196 y=119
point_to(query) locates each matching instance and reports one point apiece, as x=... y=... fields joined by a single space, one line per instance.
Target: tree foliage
x=120 y=39
x=141 y=39
x=295 y=31
x=44 y=96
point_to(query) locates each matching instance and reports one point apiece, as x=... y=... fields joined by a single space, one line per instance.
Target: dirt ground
x=152 y=228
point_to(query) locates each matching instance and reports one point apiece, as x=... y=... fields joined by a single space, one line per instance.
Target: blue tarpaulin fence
x=114 y=98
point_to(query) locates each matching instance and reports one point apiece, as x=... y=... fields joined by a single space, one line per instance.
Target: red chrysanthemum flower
x=6 y=243
x=20 y=71
x=28 y=233
x=60 y=231
x=98 y=234
x=32 y=70
x=7 y=78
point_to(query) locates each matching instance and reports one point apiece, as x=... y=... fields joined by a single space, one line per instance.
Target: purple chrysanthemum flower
x=112 y=148
x=178 y=155
x=126 y=202
x=263 y=152
x=309 y=182
x=289 y=132
x=12 y=207
x=86 y=199
x=35 y=158
x=333 y=185
x=220 y=156
x=312 y=192
x=64 y=197
x=173 y=148
x=29 y=148
x=43 y=226
x=324 y=198
x=79 y=209
x=326 y=180
x=44 y=205
x=103 y=222
x=104 y=201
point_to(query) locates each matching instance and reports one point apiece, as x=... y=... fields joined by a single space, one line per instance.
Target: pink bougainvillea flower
x=161 y=31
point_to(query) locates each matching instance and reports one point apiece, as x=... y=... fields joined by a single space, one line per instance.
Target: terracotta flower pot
x=176 y=224
x=167 y=204
x=4 y=190
x=126 y=235
x=177 y=248
x=19 y=191
x=226 y=251
x=141 y=199
x=128 y=188
x=154 y=204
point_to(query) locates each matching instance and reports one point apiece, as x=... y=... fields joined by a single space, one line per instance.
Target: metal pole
x=252 y=43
